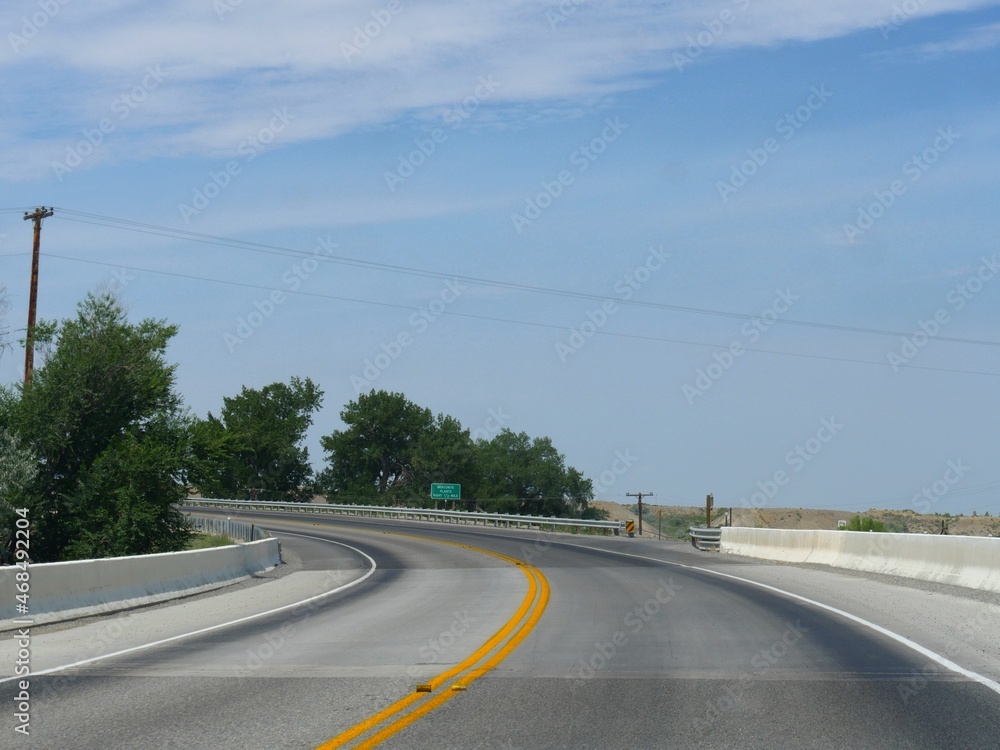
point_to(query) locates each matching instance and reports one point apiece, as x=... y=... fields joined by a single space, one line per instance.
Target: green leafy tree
x=207 y=467
x=373 y=458
x=124 y=495
x=864 y=523
x=393 y=449
x=525 y=475
x=18 y=468
x=255 y=445
x=446 y=452
x=102 y=417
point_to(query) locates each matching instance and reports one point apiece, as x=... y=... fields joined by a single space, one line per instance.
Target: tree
x=446 y=452
x=374 y=456
x=206 y=466
x=530 y=476
x=18 y=468
x=127 y=494
x=864 y=523
x=393 y=449
x=104 y=422
x=255 y=446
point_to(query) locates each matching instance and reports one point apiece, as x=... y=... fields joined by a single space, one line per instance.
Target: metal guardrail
x=236 y=530
x=415 y=514
x=705 y=539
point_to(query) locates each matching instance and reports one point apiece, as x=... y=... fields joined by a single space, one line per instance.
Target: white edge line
x=913 y=645
x=923 y=650
x=211 y=628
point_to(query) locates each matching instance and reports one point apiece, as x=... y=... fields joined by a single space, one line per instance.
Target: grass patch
x=673 y=525
x=207 y=541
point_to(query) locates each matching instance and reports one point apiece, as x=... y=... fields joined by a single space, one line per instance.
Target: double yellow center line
x=430 y=695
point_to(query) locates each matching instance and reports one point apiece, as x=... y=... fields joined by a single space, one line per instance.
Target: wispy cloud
x=354 y=64
x=976 y=39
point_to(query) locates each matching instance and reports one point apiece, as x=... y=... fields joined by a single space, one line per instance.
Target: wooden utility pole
x=29 y=344
x=639 y=495
x=709 y=502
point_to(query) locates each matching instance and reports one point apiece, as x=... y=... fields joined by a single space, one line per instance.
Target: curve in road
x=640 y=646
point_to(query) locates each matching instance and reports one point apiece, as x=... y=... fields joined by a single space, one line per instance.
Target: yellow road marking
x=516 y=625
x=432 y=703
x=370 y=723
x=494 y=640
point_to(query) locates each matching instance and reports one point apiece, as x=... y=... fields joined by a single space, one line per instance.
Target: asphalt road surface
x=594 y=642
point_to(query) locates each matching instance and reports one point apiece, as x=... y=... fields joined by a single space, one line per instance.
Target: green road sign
x=446 y=491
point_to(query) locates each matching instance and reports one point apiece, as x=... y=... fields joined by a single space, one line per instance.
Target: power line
x=153 y=229
x=550 y=326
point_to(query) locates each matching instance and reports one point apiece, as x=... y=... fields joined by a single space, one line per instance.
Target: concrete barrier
x=969 y=561
x=66 y=590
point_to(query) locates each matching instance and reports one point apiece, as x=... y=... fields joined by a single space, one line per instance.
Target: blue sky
x=767 y=230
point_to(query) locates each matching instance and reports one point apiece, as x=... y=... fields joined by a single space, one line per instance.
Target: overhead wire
x=152 y=229
x=551 y=326
x=180 y=234
x=173 y=233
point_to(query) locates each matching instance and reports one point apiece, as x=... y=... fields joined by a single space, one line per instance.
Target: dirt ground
x=619 y=512
x=809 y=518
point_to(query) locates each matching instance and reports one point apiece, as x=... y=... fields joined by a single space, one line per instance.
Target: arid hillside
x=906 y=521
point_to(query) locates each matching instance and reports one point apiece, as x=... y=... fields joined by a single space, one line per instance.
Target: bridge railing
x=506 y=520
x=246 y=532
x=705 y=539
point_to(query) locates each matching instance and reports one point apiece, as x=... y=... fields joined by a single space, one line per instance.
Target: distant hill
x=906 y=521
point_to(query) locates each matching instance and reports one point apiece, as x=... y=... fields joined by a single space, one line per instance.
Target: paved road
x=631 y=652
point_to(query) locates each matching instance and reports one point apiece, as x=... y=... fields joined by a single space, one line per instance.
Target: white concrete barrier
x=969 y=561
x=65 y=590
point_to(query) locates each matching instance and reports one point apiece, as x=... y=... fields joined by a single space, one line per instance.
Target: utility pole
x=709 y=502
x=659 y=523
x=639 y=495
x=29 y=344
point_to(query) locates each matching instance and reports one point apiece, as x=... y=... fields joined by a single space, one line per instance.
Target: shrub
x=864 y=523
